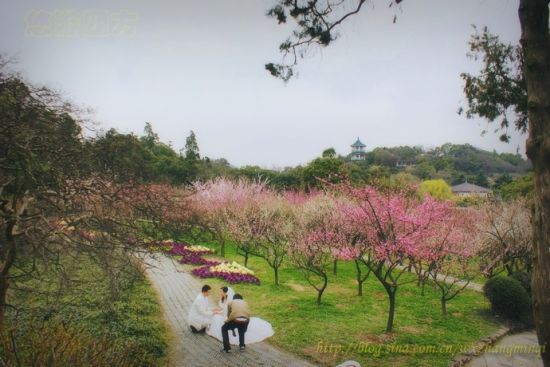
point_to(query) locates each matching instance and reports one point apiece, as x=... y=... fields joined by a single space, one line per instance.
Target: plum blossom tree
x=390 y=225
x=216 y=199
x=318 y=241
x=448 y=249
x=387 y=232
x=507 y=237
x=317 y=24
x=264 y=226
x=355 y=242
x=52 y=203
x=163 y=208
x=244 y=226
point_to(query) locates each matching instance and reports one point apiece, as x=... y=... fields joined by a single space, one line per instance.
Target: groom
x=238 y=317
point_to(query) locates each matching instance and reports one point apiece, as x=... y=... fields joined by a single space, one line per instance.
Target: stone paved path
x=177 y=290
x=512 y=345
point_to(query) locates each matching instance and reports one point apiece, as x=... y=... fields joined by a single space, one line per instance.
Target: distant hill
x=453 y=162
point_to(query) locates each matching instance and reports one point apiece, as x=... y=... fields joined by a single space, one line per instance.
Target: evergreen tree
x=191 y=147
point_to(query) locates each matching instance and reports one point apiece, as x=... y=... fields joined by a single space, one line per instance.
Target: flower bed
x=230 y=272
x=178 y=248
x=159 y=247
x=200 y=249
x=196 y=259
x=232 y=267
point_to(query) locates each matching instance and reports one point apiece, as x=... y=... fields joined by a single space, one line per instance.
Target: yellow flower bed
x=198 y=248
x=231 y=267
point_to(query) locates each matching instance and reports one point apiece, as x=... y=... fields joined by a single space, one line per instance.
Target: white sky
x=199 y=65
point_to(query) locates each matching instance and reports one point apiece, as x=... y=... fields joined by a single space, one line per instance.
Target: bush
x=524 y=279
x=57 y=345
x=508 y=298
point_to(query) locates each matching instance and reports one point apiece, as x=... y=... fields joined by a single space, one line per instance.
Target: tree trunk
x=443 y=306
x=335 y=267
x=321 y=290
x=222 y=246
x=7 y=257
x=276 y=273
x=359 y=279
x=391 y=294
x=422 y=292
x=246 y=258
x=3 y=291
x=533 y=15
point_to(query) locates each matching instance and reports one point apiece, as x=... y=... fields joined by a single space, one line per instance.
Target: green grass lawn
x=128 y=330
x=346 y=326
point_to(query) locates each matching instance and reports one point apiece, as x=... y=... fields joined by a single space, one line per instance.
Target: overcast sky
x=199 y=65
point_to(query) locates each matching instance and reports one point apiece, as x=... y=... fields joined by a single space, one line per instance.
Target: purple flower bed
x=204 y=272
x=193 y=258
x=178 y=248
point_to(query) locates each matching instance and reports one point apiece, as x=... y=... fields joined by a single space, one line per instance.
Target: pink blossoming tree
x=389 y=226
x=448 y=249
x=318 y=241
x=215 y=200
x=262 y=226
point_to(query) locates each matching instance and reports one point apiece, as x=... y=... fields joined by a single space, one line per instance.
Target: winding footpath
x=177 y=289
x=512 y=351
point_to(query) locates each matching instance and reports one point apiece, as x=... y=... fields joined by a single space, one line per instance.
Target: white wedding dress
x=257 y=331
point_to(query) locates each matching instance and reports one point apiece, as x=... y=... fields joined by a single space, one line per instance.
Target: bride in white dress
x=257 y=331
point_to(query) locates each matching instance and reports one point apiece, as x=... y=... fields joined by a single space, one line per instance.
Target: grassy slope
x=351 y=327
x=133 y=319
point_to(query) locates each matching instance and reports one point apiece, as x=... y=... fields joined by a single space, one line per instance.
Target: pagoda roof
x=468 y=187
x=358 y=143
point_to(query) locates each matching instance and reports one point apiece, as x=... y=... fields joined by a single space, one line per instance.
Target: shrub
x=508 y=298
x=57 y=345
x=524 y=279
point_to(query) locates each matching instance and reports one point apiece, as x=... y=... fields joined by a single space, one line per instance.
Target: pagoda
x=358 y=151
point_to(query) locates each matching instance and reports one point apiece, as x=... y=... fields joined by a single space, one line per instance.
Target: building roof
x=358 y=144
x=468 y=187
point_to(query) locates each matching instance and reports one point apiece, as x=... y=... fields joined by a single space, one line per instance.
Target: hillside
x=454 y=163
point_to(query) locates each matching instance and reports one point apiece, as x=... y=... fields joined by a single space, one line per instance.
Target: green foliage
x=502 y=180
x=123 y=155
x=520 y=187
x=148 y=160
x=144 y=159
x=467 y=201
x=192 y=147
x=481 y=180
x=424 y=170
x=524 y=279
x=438 y=189
x=40 y=144
x=325 y=168
x=508 y=298
x=382 y=157
x=59 y=345
x=404 y=179
x=500 y=90
x=255 y=173
x=150 y=139
x=82 y=315
x=329 y=153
